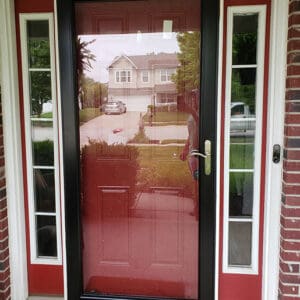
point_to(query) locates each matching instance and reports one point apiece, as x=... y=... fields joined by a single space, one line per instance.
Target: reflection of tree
x=39 y=57
x=40 y=91
x=244 y=47
x=84 y=63
x=187 y=76
x=243 y=87
x=92 y=93
x=39 y=52
x=84 y=56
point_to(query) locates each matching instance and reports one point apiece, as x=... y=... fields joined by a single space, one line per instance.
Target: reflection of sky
x=107 y=47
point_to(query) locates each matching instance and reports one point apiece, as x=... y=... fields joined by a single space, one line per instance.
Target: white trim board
x=13 y=153
x=24 y=18
x=277 y=71
x=218 y=150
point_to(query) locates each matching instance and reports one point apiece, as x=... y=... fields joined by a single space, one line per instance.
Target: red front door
x=138 y=67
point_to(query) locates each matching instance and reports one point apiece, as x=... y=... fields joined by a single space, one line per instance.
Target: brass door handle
x=206 y=156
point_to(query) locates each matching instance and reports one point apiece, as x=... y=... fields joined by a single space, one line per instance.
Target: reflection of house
x=270 y=237
x=142 y=80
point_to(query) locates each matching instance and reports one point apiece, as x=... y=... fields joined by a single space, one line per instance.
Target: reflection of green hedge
x=138 y=167
x=43 y=153
x=115 y=151
x=140 y=137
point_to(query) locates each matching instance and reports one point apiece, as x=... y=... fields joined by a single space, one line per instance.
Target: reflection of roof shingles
x=149 y=61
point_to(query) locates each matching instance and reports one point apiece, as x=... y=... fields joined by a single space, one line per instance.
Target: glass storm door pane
x=138 y=96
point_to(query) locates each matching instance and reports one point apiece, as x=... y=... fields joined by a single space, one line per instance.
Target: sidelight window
x=40 y=117
x=243 y=138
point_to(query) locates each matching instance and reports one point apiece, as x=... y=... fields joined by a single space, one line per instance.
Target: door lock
x=206 y=156
x=276 y=153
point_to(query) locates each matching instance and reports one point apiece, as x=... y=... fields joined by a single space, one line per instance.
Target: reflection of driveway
x=116 y=129
x=110 y=128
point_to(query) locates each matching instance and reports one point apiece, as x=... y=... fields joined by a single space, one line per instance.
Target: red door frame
x=42 y=279
x=243 y=286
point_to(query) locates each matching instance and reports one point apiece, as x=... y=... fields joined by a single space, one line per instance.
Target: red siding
x=289 y=277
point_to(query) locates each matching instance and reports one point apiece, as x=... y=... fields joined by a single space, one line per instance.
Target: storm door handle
x=206 y=155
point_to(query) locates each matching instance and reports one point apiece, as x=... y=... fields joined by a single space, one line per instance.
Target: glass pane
x=241 y=154
x=43 y=153
x=140 y=185
x=240 y=242
x=40 y=93
x=42 y=143
x=241 y=194
x=243 y=88
x=46 y=236
x=38 y=44
x=44 y=188
x=244 y=44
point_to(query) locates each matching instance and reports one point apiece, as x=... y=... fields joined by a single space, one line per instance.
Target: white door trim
x=13 y=152
x=276 y=108
x=218 y=145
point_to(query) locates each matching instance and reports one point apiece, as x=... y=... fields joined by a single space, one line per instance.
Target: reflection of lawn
x=161 y=167
x=242 y=152
x=171 y=118
x=242 y=156
x=241 y=183
x=85 y=115
x=88 y=114
x=47 y=115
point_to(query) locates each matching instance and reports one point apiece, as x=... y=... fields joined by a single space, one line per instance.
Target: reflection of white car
x=241 y=118
x=117 y=107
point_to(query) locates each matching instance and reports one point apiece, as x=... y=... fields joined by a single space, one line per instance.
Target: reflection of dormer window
x=166 y=75
x=145 y=76
x=123 y=76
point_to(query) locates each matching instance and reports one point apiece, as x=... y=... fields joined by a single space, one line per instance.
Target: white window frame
x=118 y=76
x=143 y=75
x=261 y=11
x=168 y=73
x=28 y=138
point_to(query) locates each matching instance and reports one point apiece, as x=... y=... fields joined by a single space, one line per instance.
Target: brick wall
x=289 y=277
x=4 y=252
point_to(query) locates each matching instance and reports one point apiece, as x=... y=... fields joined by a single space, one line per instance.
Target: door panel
x=139 y=206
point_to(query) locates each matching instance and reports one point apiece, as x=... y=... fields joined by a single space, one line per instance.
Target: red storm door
x=138 y=73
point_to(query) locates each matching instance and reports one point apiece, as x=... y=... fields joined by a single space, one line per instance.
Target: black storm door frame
x=71 y=153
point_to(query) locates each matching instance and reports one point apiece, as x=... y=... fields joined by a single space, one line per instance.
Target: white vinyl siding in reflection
x=41 y=135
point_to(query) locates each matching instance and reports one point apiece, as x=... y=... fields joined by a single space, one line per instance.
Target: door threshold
x=44 y=298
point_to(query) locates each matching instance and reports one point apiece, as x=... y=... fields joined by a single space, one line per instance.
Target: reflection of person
x=192 y=142
x=150 y=117
x=141 y=123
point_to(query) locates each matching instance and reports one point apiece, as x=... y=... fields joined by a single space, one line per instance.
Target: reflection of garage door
x=136 y=103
